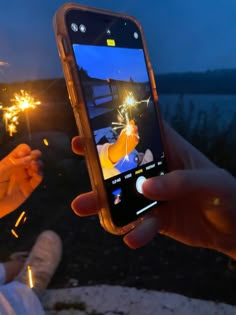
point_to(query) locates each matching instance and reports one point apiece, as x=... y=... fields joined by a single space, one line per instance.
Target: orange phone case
x=80 y=112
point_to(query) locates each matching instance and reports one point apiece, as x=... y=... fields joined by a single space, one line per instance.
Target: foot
x=19 y=256
x=42 y=262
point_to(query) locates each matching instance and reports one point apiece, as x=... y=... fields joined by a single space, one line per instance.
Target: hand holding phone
x=113 y=95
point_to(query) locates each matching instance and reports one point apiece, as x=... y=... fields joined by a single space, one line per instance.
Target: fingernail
x=151 y=187
x=21 y=153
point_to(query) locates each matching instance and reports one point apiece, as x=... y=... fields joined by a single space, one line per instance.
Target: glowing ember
x=31 y=283
x=125 y=113
x=11 y=129
x=45 y=141
x=19 y=218
x=129 y=129
x=130 y=100
x=14 y=233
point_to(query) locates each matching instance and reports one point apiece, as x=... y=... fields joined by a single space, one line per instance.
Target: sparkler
x=125 y=116
x=22 y=102
x=125 y=112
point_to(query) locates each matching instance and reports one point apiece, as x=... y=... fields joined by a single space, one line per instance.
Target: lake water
x=220 y=107
x=224 y=105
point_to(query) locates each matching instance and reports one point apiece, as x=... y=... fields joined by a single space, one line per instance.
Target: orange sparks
x=31 y=284
x=22 y=102
x=19 y=218
x=14 y=233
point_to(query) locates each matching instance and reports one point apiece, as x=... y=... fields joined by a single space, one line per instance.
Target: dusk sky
x=121 y=63
x=182 y=35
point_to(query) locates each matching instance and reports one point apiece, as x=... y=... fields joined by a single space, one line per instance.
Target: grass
x=205 y=131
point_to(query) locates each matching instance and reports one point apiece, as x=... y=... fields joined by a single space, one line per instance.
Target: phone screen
x=112 y=69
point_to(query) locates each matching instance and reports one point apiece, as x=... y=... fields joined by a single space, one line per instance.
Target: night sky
x=182 y=35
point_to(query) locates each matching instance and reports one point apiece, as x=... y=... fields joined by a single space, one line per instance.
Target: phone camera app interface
x=123 y=118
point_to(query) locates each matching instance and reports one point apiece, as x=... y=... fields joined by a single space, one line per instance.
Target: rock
x=117 y=300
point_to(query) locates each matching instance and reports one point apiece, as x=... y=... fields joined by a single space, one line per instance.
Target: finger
x=11 y=185
x=179 y=183
x=85 y=204
x=35 y=167
x=17 y=157
x=28 y=185
x=35 y=180
x=77 y=145
x=20 y=151
x=36 y=154
x=143 y=233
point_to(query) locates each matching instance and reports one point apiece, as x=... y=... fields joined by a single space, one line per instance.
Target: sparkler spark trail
x=19 y=218
x=45 y=141
x=20 y=221
x=31 y=283
x=22 y=102
x=125 y=111
x=14 y=233
x=125 y=116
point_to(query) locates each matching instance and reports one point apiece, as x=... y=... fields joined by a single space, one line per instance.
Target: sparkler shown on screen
x=125 y=115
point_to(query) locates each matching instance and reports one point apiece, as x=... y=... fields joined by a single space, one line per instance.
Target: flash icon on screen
x=111 y=42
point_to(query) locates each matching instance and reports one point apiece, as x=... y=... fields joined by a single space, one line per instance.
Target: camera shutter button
x=139 y=182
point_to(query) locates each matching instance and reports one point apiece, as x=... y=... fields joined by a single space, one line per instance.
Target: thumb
x=18 y=156
x=178 y=183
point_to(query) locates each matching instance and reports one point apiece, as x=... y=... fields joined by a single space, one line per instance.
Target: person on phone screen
x=117 y=157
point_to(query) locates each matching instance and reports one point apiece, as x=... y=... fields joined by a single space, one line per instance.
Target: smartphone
x=113 y=94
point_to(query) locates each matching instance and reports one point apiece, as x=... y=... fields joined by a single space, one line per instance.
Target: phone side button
x=72 y=94
x=63 y=47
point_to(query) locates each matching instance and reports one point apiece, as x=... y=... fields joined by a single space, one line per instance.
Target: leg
x=18 y=299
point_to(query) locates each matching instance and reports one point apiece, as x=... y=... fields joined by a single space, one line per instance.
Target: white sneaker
x=42 y=262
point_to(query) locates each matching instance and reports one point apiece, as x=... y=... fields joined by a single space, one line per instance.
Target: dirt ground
x=93 y=256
